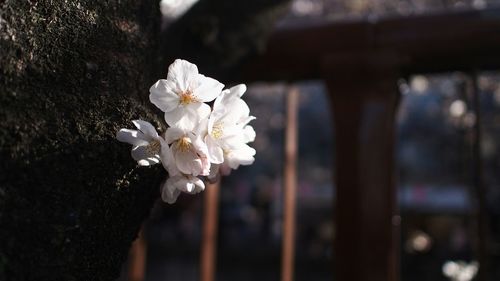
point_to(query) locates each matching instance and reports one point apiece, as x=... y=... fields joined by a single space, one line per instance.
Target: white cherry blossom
x=228 y=132
x=146 y=142
x=188 y=151
x=183 y=94
x=200 y=141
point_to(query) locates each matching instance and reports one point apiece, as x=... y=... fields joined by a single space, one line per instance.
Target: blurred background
x=437 y=170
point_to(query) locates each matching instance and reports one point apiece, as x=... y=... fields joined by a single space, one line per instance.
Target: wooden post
x=479 y=189
x=209 y=240
x=364 y=95
x=137 y=265
x=289 y=185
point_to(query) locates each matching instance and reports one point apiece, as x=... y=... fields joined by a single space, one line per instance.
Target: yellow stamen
x=186 y=98
x=184 y=144
x=217 y=131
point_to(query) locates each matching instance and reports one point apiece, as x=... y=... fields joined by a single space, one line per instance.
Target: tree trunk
x=72 y=74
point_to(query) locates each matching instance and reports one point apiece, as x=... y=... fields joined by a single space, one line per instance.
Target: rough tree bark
x=71 y=74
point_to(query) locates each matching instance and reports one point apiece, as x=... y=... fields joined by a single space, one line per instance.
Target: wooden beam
x=290 y=185
x=209 y=240
x=137 y=265
x=428 y=43
x=478 y=194
x=364 y=97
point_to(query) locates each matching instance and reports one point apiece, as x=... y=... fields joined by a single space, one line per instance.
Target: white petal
x=202 y=128
x=215 y=117
x=139 y=153
x=207 y=89
x=169 y=192
x=233 y=138
x=132 y=137
x=167 y=159
x=248 y=134
x=239 y=110
x=215 y=152
x=190 y=187
x=199 y=144
x=187 y=117
x=174 y=133
x=173 y=118
x=199 y=185
x=146 y=128
x=191 y=184
x=164 y=94
x=235 y=111
x=241 y=156
x=201 y=151
x=188 y=162
x=245 y=120
x=182 y=73
x=142 y=156
x=230 y=96
x=221 y=100
x=186 y=183
x=148 y=161
x=238 y=90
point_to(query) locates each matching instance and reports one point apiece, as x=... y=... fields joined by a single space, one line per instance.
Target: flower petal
x=227 y=97
x=167 y=159
x=169 y=192
x=202 y=128
x=173 y=133
x=182 y=73
x=190 y=184
x=239 y=110
x=132 y=137
x=201 y=151
x=199 y=185
x=164 y=95
x=146 y=128
x=187 y=117
x=238 y=90
x=215 y=152
x=185 y=183
x=143 y=157
x=221 y=100
x=242 y=156
x=248 y=134
x=207 y=89
x=148 y=161
x=188 y=162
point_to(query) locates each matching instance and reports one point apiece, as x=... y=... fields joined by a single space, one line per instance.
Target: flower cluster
x=200 y=140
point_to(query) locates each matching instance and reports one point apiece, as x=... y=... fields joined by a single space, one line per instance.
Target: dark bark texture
x=73 y=73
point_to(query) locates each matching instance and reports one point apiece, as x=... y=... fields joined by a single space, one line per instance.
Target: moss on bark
x=73 y=73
